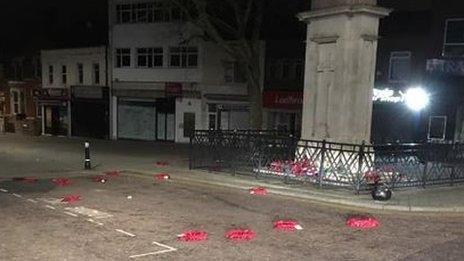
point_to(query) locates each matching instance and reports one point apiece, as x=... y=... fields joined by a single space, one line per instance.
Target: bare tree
x=235 y=26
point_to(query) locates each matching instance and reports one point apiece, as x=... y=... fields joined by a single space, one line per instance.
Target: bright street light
x=416 y=99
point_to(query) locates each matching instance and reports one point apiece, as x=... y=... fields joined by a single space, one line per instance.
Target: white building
x=74 y=100
x=165 y=82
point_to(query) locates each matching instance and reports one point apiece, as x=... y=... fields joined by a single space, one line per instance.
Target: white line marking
x=17 y=195
x=50 y=207
x=169 y=249
x=125 y=233
x=31 y=200
x=95 y=222
x=70 y=214
x=4 y=190
x=163 y=245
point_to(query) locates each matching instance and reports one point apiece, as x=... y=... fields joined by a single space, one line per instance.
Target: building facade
x=74 y=100
x=165 y=81
x=19 y=80
x=421 y=46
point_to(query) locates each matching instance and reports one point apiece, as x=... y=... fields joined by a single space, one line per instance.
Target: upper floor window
x=158 y=11
x=454 y=37
x=124 y=14
x=80 y=73
x=233 y=73
x=286 y=69
x=17 y=102
x=50 y=74
x=183 y=56
x=400 y=66
x=123 y=57
x=96 y=73
x=149 y=57
x=64 y=74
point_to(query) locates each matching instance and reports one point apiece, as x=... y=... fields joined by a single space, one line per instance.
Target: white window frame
x=80 y=73
x=406 y=54
x=19 y=102
x=51 y=70
x=119 y=55
x=150 y=54
x=445 y=44
x=96 y=72
x=445 y=121
x=64 y=74
x=159 y=11
x=184 y=55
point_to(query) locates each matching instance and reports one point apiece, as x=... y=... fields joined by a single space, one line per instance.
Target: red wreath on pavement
x=240 y=235
x=61 y=182
x=258 y=191
x=363 y=222
x=71 y=199
x=287 y=225
x=193 y=235
x=162 y=177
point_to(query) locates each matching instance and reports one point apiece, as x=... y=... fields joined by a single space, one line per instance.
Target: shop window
x=400 y=66
x=123 y=57
x=183 y=57
x=80 y=73
x=454 y=37
x=96 y=73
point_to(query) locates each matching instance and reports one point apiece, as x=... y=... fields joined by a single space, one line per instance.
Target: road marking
x=50 y=207
x=31 y=200
x=17 y=195
x=163 y=245
x=91 y=213
x=125 y=233
x=167 y=250
x=95 y=222
x=70 y=214
x=4 y=190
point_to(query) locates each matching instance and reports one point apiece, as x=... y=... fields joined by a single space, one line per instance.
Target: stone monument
x=340 y=69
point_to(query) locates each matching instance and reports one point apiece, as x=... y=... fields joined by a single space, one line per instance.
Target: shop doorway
x=56 y=120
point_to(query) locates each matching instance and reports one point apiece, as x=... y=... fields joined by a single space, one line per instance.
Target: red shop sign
x=173 y=89
x=283 y=100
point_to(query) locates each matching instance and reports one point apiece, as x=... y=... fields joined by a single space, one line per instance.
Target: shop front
x=55 y=107
x=90 y=111
x=283 y=110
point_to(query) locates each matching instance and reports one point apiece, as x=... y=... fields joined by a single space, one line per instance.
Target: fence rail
x=357 y=166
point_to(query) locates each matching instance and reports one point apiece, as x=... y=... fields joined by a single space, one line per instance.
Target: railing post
x=360 y=167
x=426 y=163
x=191 y=151
x=321 y=166
x=453 y=163
x=259 y=150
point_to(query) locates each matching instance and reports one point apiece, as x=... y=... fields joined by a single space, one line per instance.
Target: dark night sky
x=30 y=25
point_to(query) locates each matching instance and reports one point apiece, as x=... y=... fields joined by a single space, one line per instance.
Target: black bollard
x=87 y=164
